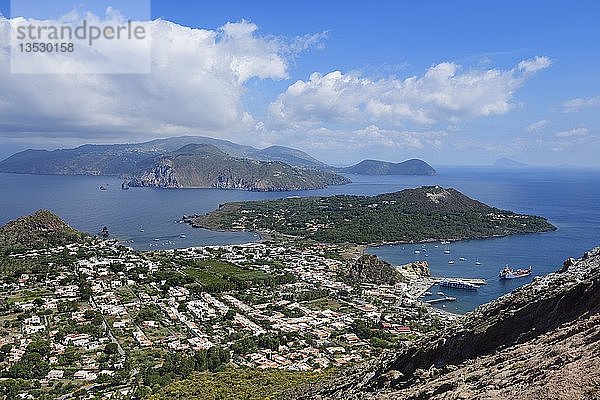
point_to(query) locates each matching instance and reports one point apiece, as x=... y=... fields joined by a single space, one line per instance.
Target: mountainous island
x=508 y=163
x=201 y=162
x=206 y=166
x=412 y=215
x=375 y=167
x=181 y=162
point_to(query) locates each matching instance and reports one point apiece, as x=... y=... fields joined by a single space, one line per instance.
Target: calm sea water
x=570 y=199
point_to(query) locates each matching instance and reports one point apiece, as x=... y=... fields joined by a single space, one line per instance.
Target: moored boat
x=457 y=284
x=509 y=273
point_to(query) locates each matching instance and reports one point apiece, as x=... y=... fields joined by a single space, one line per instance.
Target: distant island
x=507 y=163
x=375 y=167
x=206 y=166
x=201 y=162
x=412 y=215
x=182 y=162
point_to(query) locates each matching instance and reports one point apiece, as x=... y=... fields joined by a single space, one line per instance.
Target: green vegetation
x=40 y=230
x=238 y=384
x=411 y=215
x=177 y=366
x=219 y=276
x=205 y=165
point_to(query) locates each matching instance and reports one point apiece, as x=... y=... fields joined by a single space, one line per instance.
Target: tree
x=111 y=348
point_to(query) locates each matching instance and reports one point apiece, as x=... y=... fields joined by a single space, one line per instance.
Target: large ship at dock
x=509 y=273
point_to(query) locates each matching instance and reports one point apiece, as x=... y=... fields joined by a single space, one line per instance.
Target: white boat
x=477 y=262
x=461 y=259
x=417 y=252
x=182 y=236
x=440 y=293
x=450 y=261
x=141 y=230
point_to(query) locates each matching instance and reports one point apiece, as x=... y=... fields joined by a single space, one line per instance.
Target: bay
x=569 y=198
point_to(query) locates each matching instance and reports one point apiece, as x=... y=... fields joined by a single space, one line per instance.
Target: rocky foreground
x=541 y=341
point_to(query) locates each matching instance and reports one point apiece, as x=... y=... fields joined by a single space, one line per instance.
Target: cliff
x=539 y=342
x=206 y=166
x=370 y=269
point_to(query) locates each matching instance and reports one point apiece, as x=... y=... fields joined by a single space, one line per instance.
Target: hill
x=375 y=167
x=539 y=342
x=507 y=163
x=40 y=230
x=206 y=166
x=129 y=159
x=412 y=215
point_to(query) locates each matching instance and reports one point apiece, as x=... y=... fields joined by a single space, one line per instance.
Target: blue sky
x=483 y=106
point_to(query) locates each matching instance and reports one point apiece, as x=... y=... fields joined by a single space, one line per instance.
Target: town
x=97 y=319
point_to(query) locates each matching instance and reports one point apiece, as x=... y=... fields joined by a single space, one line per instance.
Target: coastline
x=190 y=220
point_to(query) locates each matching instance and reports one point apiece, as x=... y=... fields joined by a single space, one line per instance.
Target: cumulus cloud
x=445 y=93
x=197 y=81
x=536 y=126
x=577 y=104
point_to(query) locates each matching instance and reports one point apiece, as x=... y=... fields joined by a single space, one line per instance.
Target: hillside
x=411 y=215
x=206 y=166
x=375 y=167
x=129 y=159
x=538 y=342
x=40 y=230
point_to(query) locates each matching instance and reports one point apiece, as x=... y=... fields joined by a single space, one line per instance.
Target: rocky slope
x=206 y=166
x=541 y=341
x=376 y=167
x=369 y=268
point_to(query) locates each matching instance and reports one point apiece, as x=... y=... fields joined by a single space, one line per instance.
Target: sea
x=149 y=218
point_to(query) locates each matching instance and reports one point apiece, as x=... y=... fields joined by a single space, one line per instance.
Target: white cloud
x=196 y=85
x=536 y=126
x=444 y=94
x=575 y=132
x=534 y=65
x=577 y=104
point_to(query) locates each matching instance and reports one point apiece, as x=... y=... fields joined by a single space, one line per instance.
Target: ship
x=457 y=284
x=103 y=187
x=509 y=273
x=125 y=186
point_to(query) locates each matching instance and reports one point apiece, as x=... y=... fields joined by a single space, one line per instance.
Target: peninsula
x=413 y=215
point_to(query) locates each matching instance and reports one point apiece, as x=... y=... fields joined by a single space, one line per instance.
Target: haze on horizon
x=450 y=83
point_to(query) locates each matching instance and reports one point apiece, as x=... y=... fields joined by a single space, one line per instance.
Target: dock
x=441 y=300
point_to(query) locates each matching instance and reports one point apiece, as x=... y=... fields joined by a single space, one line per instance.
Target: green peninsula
x=411 y=215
